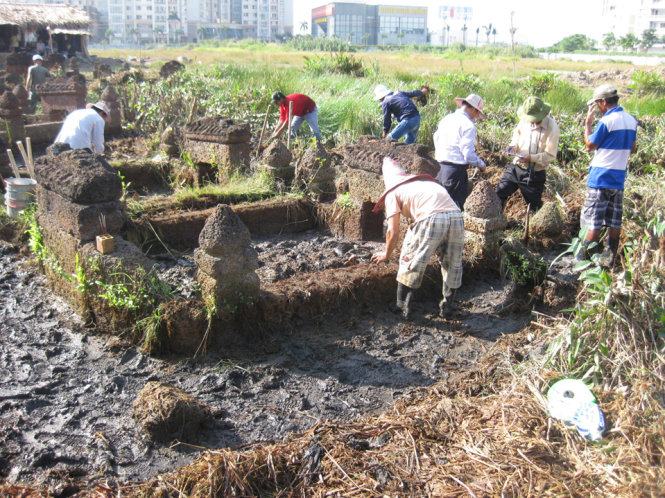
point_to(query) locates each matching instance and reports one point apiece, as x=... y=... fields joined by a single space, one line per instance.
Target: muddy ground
x=280 y=257
x=66 y=393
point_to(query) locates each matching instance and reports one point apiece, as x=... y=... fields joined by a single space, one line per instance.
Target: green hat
x=534 y=109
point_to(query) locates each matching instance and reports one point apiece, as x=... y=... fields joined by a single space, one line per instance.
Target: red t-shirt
x=302 y=105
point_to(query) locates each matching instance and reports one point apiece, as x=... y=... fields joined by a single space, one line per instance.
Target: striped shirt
x=614 y=138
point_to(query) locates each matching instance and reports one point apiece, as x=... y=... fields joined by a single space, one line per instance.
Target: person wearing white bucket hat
x=37 y=74
x=612 y=141
x=83 y=129
x=455 y=146
x=400 y=105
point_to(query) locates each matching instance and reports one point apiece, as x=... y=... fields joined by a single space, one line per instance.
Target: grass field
x=422 y=64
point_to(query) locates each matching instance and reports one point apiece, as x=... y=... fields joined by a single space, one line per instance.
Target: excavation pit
x=65 y=403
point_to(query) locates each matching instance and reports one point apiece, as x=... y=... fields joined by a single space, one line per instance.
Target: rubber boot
x=614 y=249
x=401 y=290
x=406 y=307
x=447 y=305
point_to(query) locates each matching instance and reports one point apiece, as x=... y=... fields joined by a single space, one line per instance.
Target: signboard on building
x=454 y=12
x=397 y=10
x=323 y=11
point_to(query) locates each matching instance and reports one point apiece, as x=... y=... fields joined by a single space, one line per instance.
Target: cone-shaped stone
x=483 y=201
x=223 y=233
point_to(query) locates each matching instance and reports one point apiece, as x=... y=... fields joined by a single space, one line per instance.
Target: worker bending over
x=304 y=109
x=401 y=106
x=436 y=226
x=83 y=129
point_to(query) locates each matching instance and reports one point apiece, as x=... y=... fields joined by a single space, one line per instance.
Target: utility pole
x=513 y=30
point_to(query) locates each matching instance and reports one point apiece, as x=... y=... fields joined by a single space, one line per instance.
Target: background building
x=363 y=24
x=633 y=16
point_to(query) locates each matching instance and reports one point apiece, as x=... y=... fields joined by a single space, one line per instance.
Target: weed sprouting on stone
x=150 y=332
x=521 y=266
x=344 y=201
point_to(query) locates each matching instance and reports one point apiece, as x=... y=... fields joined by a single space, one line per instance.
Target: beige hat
x=380 y=92
x=475 y=101
x=605 y=91
x=37 y=57
x=101 y=106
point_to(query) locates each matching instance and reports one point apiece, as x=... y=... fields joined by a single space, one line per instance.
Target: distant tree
x=513 y=30
x=464 y=30
x=629 y=42
x=477 y=33
x=304 y=26
x=200 y=31
x=609 y=41
x=108 y=35
x=649 y=39
x=488 y=32
x=494 y=34
x=573 y=43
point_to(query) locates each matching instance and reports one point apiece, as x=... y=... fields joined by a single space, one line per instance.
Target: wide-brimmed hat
x=37 y=57
x=100 y=106
x=380 y=92
x=475 y=101
x=603 y=92
x=534 y=109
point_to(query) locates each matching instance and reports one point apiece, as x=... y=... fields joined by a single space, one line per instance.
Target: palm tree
x=494 y=35
x=488 y=32
x=464 y=30
x=304 y=26
x=477 y=33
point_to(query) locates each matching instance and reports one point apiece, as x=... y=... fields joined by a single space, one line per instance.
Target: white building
x=262 y=19
x=633 y=16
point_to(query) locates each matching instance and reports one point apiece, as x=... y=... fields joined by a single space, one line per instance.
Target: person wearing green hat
x=534 y=145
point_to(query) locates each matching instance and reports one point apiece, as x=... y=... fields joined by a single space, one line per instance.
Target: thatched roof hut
x=22 y=26
x=54 y=17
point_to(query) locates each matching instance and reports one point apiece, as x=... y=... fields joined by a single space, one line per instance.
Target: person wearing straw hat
x=401 y=106
x=436 y=226
x=613 y=140
x=534 y=144
x=83 y=129
x=304 y=109
x=37 y=74
x=455 y=146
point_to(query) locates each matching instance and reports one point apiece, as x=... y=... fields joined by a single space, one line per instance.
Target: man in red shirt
x=304 y=109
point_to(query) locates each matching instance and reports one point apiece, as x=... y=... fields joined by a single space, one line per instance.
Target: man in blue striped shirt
x=613 y=140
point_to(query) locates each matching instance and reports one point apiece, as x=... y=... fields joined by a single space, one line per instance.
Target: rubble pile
x=483 y=223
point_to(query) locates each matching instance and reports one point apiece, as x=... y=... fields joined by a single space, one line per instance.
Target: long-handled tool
x=263 y=130
x=288 y=140
x=12 y=161
x=526 y=224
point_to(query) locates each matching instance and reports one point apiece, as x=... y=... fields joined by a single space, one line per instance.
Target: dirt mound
x=79 y=176
x=483 y=201
x=170 y=68
x=548 y=221
x=368 y=152
x=276 y=155
x=167 y=413
x=9 y=101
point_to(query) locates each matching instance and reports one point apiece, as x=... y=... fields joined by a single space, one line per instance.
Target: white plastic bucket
x=20 y=193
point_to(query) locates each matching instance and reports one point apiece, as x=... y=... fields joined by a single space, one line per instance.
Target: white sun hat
x=475 y=101
x=380 y=91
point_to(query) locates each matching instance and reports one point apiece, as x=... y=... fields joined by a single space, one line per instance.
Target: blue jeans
x=408 y=127
x=312 y=119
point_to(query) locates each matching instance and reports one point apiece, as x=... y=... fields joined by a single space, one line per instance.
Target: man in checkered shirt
x=436 y=226
x=613 y=140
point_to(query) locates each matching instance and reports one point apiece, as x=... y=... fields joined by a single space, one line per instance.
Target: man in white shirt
x=534 y=144
x=84 y=128
x=455 y=147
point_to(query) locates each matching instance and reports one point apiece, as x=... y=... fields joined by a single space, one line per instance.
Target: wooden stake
x=12 y=161
x=26 y=159
x=28 y=145
x=288 y=140
x=526 y=224
x=263 y=130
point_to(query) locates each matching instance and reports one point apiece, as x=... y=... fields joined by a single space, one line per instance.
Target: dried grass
x=483 y=433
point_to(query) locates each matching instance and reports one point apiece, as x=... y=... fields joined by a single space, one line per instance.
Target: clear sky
x=538 y=22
